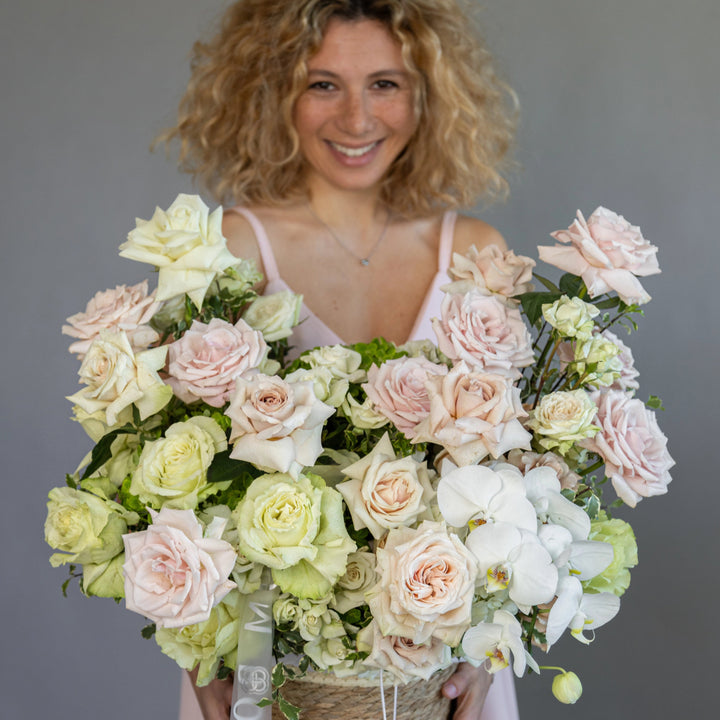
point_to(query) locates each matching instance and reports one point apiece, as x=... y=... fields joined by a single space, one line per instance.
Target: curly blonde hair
x=235 y=126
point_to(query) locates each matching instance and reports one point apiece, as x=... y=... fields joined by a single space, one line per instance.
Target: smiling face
x=356 y=114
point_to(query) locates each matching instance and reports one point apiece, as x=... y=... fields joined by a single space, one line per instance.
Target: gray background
x=620 y=106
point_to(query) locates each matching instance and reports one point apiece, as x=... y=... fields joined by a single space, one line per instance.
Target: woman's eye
x=386 y=84
x=321 y=85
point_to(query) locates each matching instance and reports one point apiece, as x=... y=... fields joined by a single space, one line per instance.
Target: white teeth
x=354 y=152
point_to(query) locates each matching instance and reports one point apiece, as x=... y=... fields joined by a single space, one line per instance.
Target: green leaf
x=130 y=501
x=64 y=586
x=655 y=403
x=290 y=711
x=70 y=481
x=571 y=285
x=278 y=675
x=532 y=303
x=102 y=452
x=607 y=304
x=148 y=631
x=225 y=672
x=376 y=352
x=549 y=285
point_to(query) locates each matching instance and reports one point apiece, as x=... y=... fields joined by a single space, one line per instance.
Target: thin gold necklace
x=364 y=261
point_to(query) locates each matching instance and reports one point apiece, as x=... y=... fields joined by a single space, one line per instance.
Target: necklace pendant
x=365 y=262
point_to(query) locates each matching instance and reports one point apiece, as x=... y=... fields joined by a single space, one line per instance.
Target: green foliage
x=132 y=502
x=240 y=474
x=224 y=672
x=70 y=481
x=376 y=352
x=655 y=403
x=532 y=303
x=73 y=574
x=101 y=453
x=572 y=286
x=148 y=631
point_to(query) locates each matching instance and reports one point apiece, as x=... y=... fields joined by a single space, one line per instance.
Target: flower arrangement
x=408 y=505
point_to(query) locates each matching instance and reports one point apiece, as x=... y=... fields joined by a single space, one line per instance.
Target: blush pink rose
x=276 y=425
x=427 y=585
x=397 y=390
x=473 y=415
x=174 y=574
x=607 y=252
x=204 y=363
x=632 y=445
x=401 y=657
x=124 y=308
x=484 y=333
x=491 y=270
x=528 y=460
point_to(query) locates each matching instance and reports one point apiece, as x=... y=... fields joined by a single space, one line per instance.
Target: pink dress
x=501 y=703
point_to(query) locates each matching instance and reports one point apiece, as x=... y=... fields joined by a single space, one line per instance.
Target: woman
x=345 y=132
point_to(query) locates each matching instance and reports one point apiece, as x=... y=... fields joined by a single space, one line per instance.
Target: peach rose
x=427 y=585
x=400 y=656
x=484 y=333
x=174 y=574
x=276 y=425
x=491 y=270
x=385 y=491
x=473 y=415
x=397 y=390
x=632 y=445
x=204 y=362
x=607 y=252
x=124 y=308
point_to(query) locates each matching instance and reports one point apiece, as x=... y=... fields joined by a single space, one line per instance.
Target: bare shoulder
x=471 y=231
x=240 y=236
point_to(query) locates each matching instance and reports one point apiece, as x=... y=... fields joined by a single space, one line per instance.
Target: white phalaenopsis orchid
x=496 y=641
x=477 y=495
x=579 y=611
x=515 y=559
x=543 y=490
x=582 y=558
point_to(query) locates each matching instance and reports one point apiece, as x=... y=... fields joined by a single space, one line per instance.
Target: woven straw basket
x=325 y=697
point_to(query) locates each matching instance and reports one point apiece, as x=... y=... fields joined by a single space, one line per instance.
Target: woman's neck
x=347 y=211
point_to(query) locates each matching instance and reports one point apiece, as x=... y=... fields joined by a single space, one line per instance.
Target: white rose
x=563 y=418
x=362 y=416
x=342 y=362
x=187 y=245
x=359 y=577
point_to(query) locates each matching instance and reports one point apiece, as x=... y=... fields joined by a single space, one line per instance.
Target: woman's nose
x=356 y=115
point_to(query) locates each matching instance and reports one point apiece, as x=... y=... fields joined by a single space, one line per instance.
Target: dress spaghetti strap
x=447 y=230
x=263 y=242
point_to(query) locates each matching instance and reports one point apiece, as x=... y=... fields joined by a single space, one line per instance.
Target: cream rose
x=491 y=270
x=185 y=242
x=295 y=527
x=124 y=308
x=400 y=656
x=563 y=418
x=386 y=492
x=571 y=317
x=172 y=471
x=632 y=445
x=607 y=252
x=362 y=415
x=397 y=390
x=626 y=365
x=342 y=362
x=359 y=577
x=427 y=585
x=276 y=425
x=174 y=573
x=115 y=378
x=274 y=315
x=484 y=333
x=326 y=386
x=204 y=362
x=473 y=415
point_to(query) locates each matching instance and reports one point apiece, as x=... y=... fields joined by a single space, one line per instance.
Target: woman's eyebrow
x=377 y=73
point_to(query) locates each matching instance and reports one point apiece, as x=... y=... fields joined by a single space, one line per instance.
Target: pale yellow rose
x=362 y=415
x=185 y=242
x=115 y=378
x=172 y=471
x=327 y=387
x=83 y=527
x=571 y=317
x=274 y=315
x=342 y=362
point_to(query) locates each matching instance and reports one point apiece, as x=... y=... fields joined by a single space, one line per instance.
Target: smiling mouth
x=354 y=152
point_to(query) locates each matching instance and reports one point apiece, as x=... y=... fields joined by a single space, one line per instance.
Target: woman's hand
x=215 y=698
x=470 y=686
